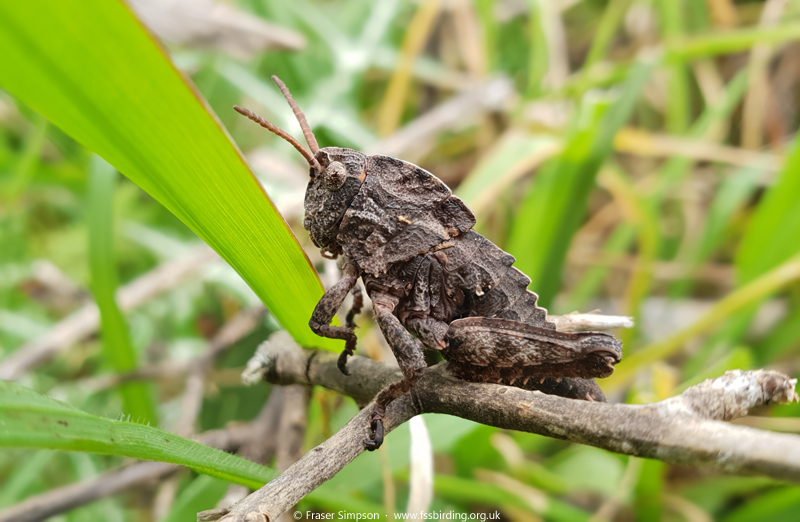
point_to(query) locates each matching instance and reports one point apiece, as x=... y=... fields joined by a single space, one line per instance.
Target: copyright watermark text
x=340 y=515
x=433 y=515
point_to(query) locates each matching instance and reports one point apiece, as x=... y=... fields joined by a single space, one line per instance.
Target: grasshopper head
x=329 y=194
x=336 y=177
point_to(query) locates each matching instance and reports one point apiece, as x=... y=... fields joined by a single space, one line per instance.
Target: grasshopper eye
x=335 y=175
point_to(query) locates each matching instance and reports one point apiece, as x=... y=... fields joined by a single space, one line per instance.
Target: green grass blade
x=746 y=296
x=593 y=278
x=771 y=235
x=641 y=216
x=678 y=103
x=554 y=207
x=202 y=493
x=730 y=197
x=738 y=359
x=118 y=351
x=18 y=482
x=538 y=57
x=470 y=491
x=32 y=420
x=730 y=42
x=92 y=69
x=606 y=31
x=515 y=154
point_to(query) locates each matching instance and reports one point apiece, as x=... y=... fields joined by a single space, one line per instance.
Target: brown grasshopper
x=434 y=282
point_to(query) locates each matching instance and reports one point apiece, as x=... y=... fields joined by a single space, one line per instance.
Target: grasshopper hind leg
x=482 y=349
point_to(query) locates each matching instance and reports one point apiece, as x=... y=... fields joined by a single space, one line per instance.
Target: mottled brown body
x=434 y=282
x=437 y=284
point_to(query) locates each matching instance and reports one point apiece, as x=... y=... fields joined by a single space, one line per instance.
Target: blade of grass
x=738 y=359
x=554 y=206
x=606 y=30
x=26 y=166
x=670 y=175
x=32 y=420
x=418 y=32
x=731 y=195
x=742 y=298
x=648 y=503
x=118 y=350
x=511 y=157
x=729 y=42
x=90 y=67
x=769 y=239
x=782 y=337
x=771 y=235
x=27 y=472
x=202 y=493
x=641 y=216
x=677 y=110
x=470 y=491
x=589 y=283
x=490 y=31
x=782 y=503
x=538 y=57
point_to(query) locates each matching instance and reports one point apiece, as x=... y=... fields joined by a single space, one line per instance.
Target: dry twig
x=684 y=430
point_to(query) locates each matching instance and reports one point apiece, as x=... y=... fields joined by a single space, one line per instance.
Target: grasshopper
x=434 y=282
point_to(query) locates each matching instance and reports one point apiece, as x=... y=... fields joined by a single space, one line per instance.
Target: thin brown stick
x=683 y=430
x=282 y=133
x=301 y=118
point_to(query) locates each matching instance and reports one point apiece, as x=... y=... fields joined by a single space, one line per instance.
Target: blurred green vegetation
x=636 y=156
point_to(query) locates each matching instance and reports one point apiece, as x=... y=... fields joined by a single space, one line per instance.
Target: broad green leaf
x=92 y=69
x=31 y=420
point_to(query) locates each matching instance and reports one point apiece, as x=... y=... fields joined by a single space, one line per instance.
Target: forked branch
x=684 y=430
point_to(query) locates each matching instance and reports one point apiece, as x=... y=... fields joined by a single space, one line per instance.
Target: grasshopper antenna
x=283 y=134
x=301 y=118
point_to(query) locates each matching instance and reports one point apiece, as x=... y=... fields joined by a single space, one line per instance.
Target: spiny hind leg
x=502 y=348
x=409 y=357
x=327 y=307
